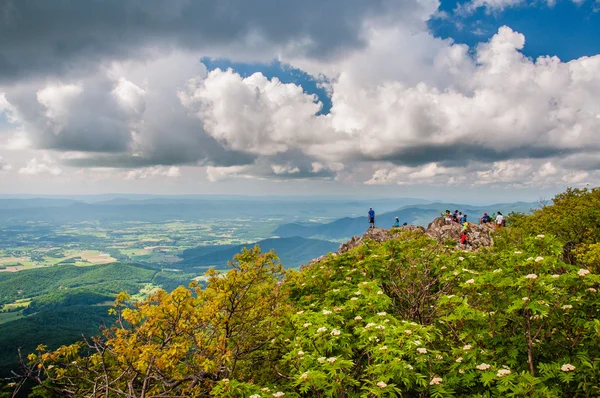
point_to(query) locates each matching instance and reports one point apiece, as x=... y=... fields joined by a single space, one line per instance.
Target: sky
x=473 y=101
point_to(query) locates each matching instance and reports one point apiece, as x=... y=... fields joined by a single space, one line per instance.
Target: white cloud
x=284 y=169
x=254 y=114
x=3 y=165
x=497 y=6
x=130 y=96
x=223 y=173
x=58 y=99
x=35 y=167
x=150 y=172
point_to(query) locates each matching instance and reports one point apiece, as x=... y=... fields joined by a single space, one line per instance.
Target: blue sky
x=567 y=30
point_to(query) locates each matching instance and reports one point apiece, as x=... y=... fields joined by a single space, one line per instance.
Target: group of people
x=449 y=218
x=459 y=217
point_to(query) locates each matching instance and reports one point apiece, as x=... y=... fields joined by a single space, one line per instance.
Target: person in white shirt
x=499 y=220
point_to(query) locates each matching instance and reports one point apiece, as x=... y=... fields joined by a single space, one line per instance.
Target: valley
x=62 y=262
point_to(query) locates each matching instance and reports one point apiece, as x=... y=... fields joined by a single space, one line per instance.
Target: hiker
x=464 y=239
x=371 y=218
x=485 y=219
x=455 y=216
x=447 y=217
x=397 y=222
x=499 y=220
x=465 y=226
x=463 y=219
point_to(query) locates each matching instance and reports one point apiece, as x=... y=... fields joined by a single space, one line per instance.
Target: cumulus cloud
x=35 y=167
x=3 y=165
x=149 y=172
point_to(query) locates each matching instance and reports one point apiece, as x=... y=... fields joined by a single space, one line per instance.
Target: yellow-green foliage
x=407 y=317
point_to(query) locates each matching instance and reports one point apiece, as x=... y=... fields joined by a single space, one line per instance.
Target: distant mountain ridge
x=292 y=252
x=416 y=215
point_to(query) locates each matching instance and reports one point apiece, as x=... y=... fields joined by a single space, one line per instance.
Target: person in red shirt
x=464 y=239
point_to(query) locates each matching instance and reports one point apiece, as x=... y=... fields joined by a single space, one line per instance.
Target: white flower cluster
x=322 y=330
x=326 y=312
x=531 y=276
x=381 y=385
x=541 y=236
x=567 y=367
x=383 y=348
x=254 y=396
x=538 y=259
x=331 y=360
x=279 y=394
x=435 y=381
x=357 y=293
x=358 y=318
x=470 y=281
x=300 y=353
x=307 y=324
x=583 y=272
x=304 y=375
x=483 y=366
x=382 y=313
x=503 y=372
x=422 y=350
x=459 y=360
x=380 y=292
x=335 y=332
x=354 y=299
x=321 y=359
x=567 y=307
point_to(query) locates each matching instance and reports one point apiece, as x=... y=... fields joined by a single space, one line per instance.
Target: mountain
x=416 y=215
x=16 y=211
x=292 y=252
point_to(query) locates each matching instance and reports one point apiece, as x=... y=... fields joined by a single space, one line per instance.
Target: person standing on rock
x=371 y=218
x=499 y=220
x=397 y=222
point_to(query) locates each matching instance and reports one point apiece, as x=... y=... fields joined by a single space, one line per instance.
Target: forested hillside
x=292 y=252
x=410 y=317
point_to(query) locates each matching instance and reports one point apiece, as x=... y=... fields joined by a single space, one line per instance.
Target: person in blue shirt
x=371 y=218
x=397 y=222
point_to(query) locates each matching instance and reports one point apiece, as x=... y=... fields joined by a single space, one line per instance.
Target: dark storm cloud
x=461 y=154
x=40 y=36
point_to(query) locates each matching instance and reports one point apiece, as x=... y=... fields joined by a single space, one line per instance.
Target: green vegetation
x=406 y=317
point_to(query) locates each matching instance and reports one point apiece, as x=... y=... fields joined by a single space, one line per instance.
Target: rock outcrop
x=378 y=235
x=480 y=235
